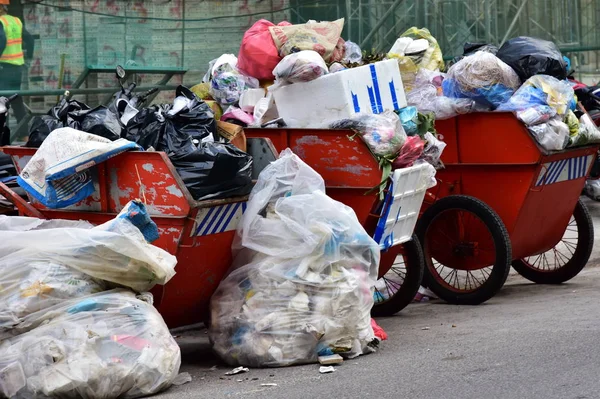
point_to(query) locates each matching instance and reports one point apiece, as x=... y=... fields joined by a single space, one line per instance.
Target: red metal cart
x=200 y=233
x=503 y=200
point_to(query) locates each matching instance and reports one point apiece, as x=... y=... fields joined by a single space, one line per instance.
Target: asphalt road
x=529 y=341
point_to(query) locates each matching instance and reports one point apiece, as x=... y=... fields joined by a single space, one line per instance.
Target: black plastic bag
x=215 y=170
x=472 y=48
x=40 y=127
x=99 y=121
x=58 y=116
x=146 y=127
x=195 y=119
x=530 y=56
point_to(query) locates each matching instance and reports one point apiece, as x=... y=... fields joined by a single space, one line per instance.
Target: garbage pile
x=302 y=279
x=210 y=166
x=76 y=319
x=291 y=71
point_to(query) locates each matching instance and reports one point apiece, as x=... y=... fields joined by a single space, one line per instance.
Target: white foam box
x=369 y=89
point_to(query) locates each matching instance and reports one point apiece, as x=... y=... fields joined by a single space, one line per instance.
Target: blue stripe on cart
x=564 y=170
x=219 y=219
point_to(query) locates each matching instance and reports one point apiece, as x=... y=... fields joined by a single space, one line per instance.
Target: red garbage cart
x=503 y=200
x=200 y=233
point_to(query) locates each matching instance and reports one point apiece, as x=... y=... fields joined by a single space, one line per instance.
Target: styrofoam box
x=398 y=222
x=369 y=89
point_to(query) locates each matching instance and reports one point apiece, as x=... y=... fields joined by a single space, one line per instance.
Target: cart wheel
x=567 y=258
x=466 y=248
x=398 y=287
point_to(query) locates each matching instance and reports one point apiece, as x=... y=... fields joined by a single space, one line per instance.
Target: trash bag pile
x=210 y=166
x=76 y=319
x=302 y=281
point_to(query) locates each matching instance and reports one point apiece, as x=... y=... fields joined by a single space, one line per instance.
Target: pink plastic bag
x=258 y=55
x=410 y=152
x=379 y=332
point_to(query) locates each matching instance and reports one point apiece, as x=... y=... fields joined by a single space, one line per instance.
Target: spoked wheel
x=399 y=285
x=466 y=248
x=567 y=258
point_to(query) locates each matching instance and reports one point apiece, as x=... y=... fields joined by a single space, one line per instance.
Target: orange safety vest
x=13 y=29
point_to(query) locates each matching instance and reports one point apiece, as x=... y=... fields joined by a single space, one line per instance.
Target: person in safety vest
x=16 y=48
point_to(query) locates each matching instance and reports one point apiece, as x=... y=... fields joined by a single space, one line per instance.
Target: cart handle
x=23 y=206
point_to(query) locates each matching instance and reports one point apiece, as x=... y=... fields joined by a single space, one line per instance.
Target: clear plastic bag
x=427 y=96
x=552 y=136
x=40 y=268
x=302 y=66
x=482 y=77
x=226 y=82
x=542 y=90
x=433 y=150
x=22 y=223
x=409 y=117
x=106 y=345
x=383 y=132
x=588 y=132
x=352 y=53
x=303 y=274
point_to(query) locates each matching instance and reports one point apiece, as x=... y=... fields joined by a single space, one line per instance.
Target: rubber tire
x=585 y=243
x=502 y=244
x=415 y=266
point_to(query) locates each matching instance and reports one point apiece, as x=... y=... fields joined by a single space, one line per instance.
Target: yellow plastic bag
x=432 y=59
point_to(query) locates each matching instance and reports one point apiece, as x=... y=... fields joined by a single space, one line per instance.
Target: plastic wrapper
x=40 y=267
x=106 y=345
x=433 y=150
x=302 y=66
x=552 y=136
x=383 y=132
x=226 y=82
x=215 y=170
x=322 y=37
x=303 y=274
x=536 y=115
x=258 y=55
x=411 y=151
x=530 y=56
x=588 y=133
x=542 y=90
x=482 y=77
x=352 y=53
x=409 y=117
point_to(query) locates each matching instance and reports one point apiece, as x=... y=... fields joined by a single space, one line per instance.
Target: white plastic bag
x=23 y=223
x=302 y=66
x=106 y=345
x=40 y=268
x=552 y=136
x=303 y=277
x=227 y=83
